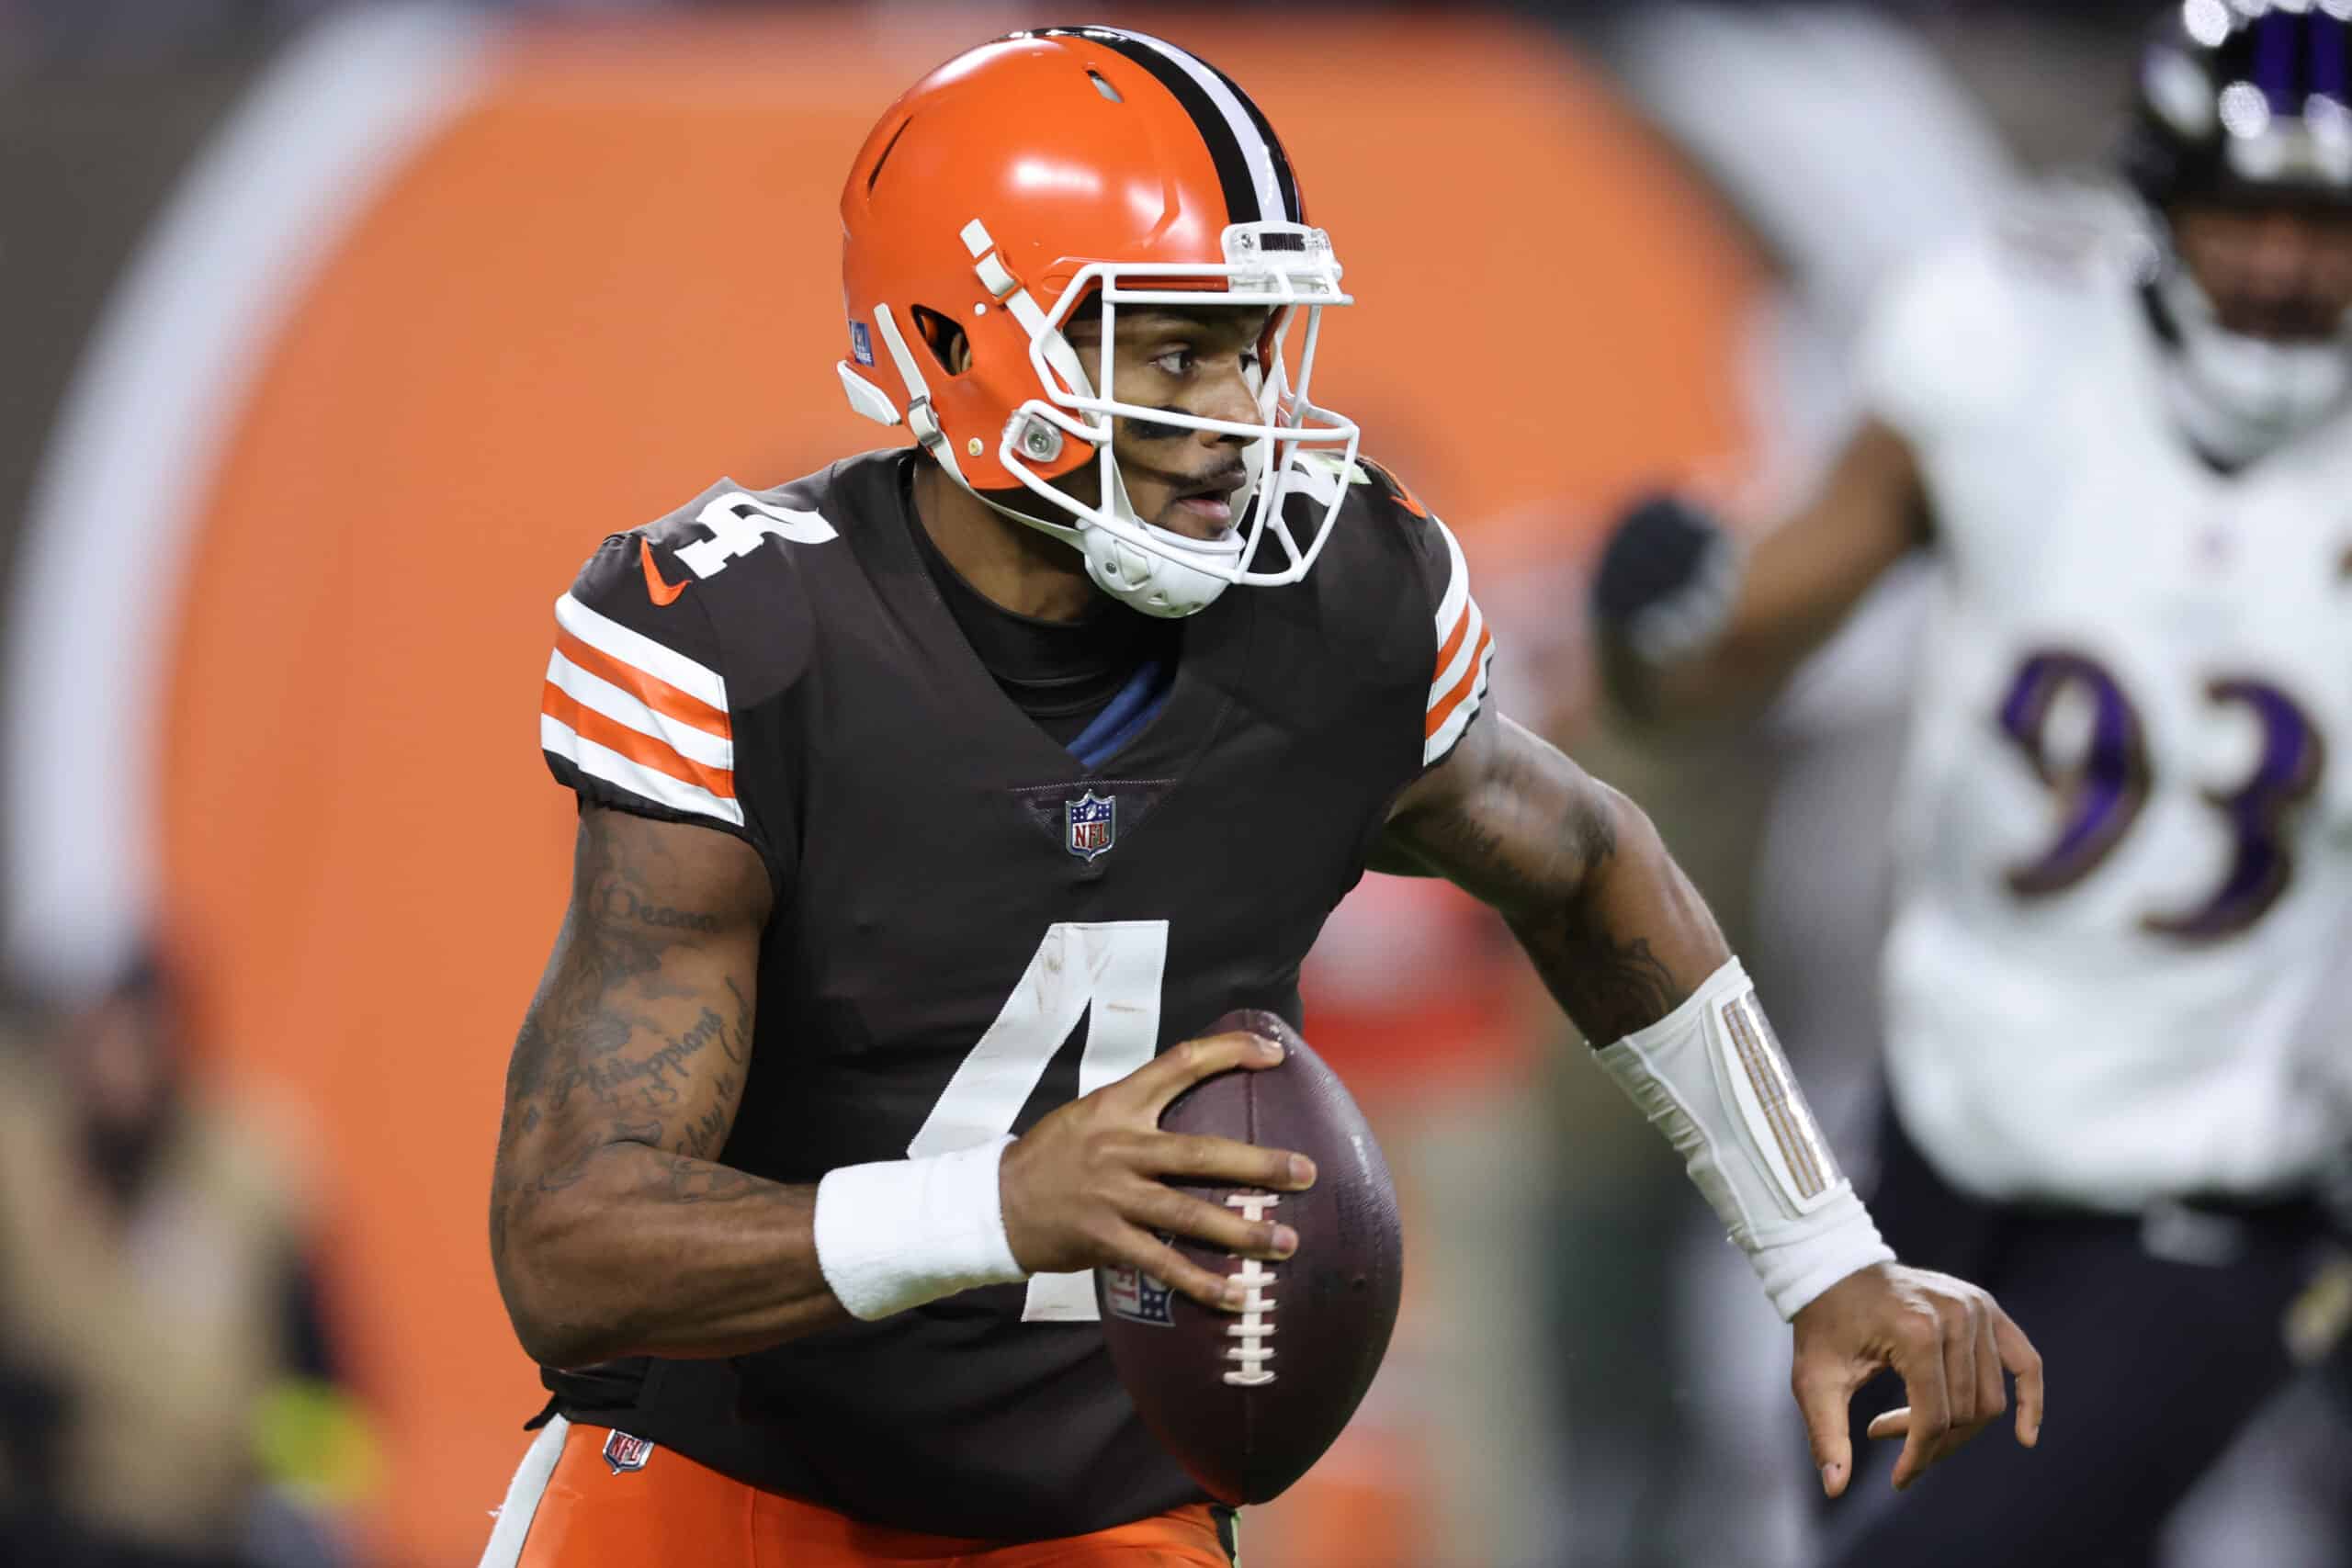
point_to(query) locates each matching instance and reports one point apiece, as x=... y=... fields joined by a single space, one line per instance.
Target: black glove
x=1666 y=580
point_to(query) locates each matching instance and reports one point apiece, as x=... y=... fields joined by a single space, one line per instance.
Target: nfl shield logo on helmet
x=626 y=1452
x=1090 y=824
x=861 y=344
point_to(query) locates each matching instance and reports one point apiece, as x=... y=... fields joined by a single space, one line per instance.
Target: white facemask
x=1285 y=269
x=2237 y=397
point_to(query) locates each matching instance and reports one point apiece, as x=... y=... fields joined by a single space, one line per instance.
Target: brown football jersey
x=971 y=926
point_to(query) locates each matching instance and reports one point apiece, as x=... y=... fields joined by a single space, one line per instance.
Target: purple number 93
x=2102 y=790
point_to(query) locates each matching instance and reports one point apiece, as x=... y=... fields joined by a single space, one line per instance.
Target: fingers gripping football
x=1085 y=1187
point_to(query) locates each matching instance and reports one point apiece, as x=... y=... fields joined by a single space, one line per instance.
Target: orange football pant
x=673 y=1512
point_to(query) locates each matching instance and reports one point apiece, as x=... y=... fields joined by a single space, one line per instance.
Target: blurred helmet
x=2242 y=101
x=2245 y=100
x=1084 y=167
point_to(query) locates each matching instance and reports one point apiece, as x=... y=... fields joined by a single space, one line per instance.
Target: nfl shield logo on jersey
x=626 y=1452
x=1090 y=824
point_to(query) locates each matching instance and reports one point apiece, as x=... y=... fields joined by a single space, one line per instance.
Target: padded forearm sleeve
x=1711 y=1075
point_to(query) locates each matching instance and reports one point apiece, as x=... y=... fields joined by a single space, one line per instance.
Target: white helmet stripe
x=1246 y=134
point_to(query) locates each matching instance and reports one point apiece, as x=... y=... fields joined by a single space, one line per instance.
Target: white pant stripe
x=506 y=1538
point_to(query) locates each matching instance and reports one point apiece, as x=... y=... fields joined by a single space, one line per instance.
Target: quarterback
x=932 y=803
x=2113 y=980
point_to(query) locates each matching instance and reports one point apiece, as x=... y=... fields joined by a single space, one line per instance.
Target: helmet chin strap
x=2240 y=397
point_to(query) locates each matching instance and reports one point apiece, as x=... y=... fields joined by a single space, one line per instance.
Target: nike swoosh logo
x=660 y=592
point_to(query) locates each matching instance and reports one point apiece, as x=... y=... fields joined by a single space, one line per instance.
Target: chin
x=1173 y=518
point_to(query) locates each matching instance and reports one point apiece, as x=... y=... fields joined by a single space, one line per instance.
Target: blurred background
x=333 y=336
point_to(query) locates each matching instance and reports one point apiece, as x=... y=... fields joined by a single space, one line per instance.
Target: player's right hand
x=1087 y=1186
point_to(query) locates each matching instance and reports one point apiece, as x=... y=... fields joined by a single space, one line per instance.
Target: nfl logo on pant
x=1090 y=824
x=625 y=1452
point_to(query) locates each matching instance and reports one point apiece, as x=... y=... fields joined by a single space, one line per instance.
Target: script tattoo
x=616 y=1051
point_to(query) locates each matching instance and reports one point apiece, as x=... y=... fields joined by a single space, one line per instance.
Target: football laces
x=1253 y=1354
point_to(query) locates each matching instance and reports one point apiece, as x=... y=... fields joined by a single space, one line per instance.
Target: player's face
x=2280 y=273
x=1201 y=362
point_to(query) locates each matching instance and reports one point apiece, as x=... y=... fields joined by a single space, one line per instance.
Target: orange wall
x=610 y=280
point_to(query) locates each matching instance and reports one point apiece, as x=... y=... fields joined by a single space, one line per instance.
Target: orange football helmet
x=1029 y=175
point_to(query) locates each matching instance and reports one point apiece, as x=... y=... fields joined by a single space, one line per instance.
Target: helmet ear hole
x=946 y=340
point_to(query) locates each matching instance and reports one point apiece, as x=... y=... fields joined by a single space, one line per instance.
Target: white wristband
x=1711 y=1077
x=896 y=1234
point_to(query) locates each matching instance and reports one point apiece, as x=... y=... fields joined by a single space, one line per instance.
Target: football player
x=2114 y=1058
x=931 y=805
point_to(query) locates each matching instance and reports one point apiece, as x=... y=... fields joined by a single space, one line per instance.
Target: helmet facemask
x=1287 y=267
x=2240 y=396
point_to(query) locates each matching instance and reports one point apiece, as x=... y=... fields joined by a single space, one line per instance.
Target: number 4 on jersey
x=1106 y=972
x=740 y=524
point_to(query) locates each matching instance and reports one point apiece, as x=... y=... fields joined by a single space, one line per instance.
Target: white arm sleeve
x=1709 y=1076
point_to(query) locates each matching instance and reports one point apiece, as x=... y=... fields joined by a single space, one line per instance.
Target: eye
x=1174 y=361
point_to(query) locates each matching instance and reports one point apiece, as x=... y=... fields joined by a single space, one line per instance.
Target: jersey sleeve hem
x=1466 y=656
x=590 y=791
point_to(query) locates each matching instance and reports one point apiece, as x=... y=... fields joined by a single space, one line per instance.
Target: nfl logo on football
x=1090 y=824
x=1137 y=1296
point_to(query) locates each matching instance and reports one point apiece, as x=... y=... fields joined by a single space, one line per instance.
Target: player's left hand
x=1947 y=1340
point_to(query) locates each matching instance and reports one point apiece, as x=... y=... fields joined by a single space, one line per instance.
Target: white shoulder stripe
x=1457 y=583
x=1450 y=676
x=1440 y=743
x=608 y=635
x=1254 y=150
x=560 y=739
x=593 y=691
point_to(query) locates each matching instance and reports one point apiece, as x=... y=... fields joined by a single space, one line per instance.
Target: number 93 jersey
x=2116 y=966
x=972 y=928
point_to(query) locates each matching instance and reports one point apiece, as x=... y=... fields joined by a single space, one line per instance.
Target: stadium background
x=337 y=335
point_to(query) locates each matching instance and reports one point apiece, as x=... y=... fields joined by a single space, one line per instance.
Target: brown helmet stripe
x=1230 y=137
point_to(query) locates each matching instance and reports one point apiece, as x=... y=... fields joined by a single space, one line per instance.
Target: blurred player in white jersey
x=2116 y=1060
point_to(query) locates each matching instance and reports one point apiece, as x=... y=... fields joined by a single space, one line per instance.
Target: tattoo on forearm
x=699 y=1182
x=1610 y=988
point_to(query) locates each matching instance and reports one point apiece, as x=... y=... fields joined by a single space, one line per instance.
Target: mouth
x=1208 y=499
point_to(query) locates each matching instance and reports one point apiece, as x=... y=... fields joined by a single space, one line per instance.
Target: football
x=1247 y=1402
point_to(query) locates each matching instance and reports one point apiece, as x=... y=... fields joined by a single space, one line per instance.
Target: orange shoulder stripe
x=1452 y=641
x=643 y=749
x=1462 y=688
x=656 y=694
